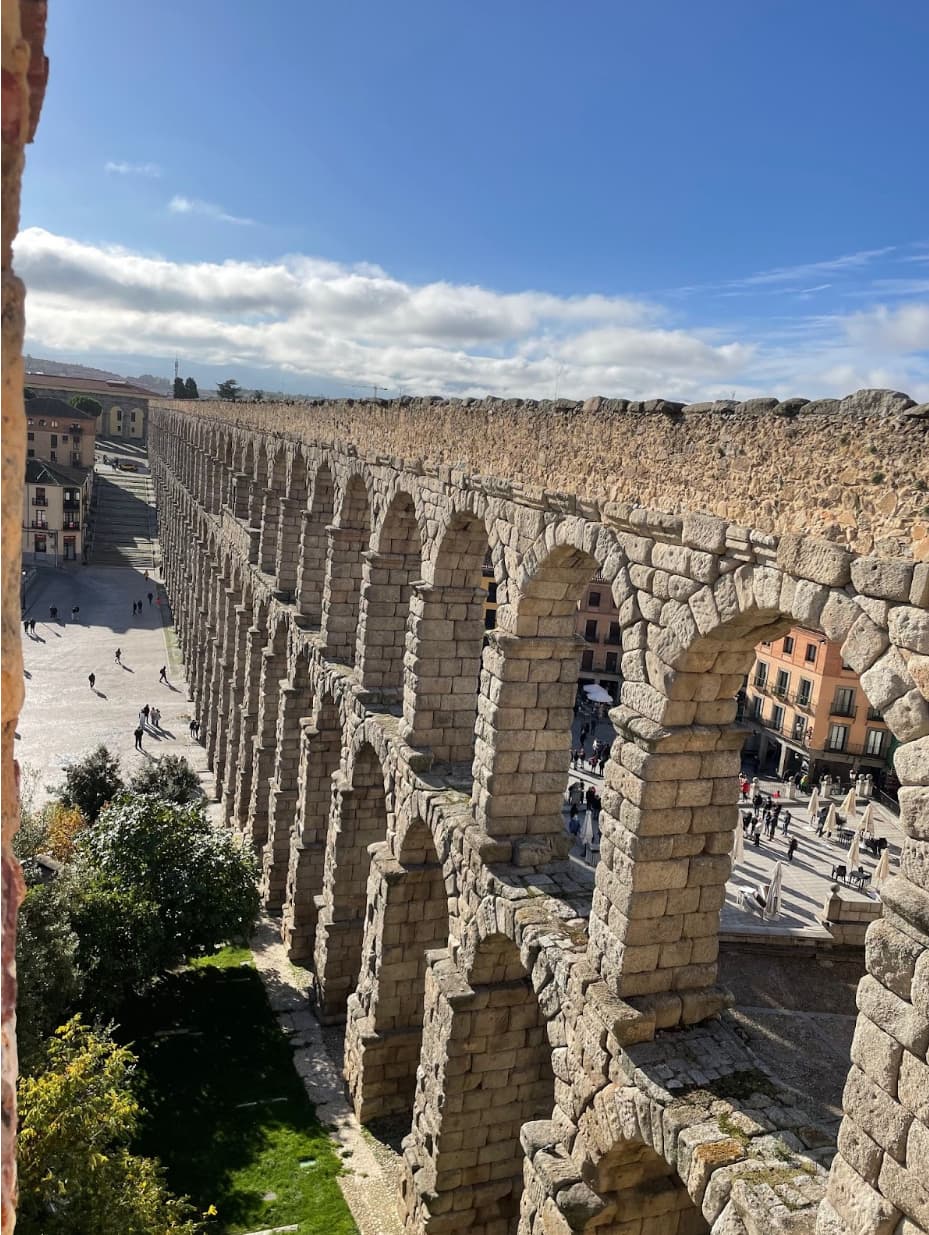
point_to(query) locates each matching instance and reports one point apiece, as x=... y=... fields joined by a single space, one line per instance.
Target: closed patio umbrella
x=854 y=857
x=882 y=873
x=596 y=694
x=867 y=820
x=772 y=904
x=738 y=846
x=831 y=820
x=813 y=807
x=848 y=804
x=587 y=835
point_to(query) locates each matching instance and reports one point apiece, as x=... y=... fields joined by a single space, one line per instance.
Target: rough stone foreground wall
x=561 y=1049
x=854 y=470
x=25 y=70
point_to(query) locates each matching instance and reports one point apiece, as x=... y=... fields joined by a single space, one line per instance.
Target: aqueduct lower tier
x=559 y=1043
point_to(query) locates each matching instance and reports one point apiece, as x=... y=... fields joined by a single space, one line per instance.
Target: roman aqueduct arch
x=555 y=1042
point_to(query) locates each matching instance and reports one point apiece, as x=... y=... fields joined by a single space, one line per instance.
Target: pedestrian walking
x=151 y=597
x=26 y=626
x=119 y=656
x=145 y=576
x=192 y=728
x=53 y=613
x=144 y=714
x=156 y=718
x=163 y=675
x=91 y=678
x=74 y=612
x=791 y=848
x=138 y=737
x=32 y=625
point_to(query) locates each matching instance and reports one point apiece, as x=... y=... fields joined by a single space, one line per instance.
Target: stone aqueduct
x=555 y=1039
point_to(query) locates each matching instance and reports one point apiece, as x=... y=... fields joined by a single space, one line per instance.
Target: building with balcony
x=809 y=713
x=55 y=511
x=124 y=405
x=59 y=433
x=598 y=626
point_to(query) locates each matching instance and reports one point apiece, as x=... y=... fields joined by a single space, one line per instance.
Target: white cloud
x=117 y=168
x=209 y=210
x=356 y=324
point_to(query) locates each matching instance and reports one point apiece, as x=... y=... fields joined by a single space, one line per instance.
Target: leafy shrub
x=92 y=782
x=78 y=1117
x=171 y=777
x=48 y=979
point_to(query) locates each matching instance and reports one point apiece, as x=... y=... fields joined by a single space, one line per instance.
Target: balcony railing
x=71 y=505
x=847 y=710
x=797 y=698
x=71 y=525
x=855 y=750
x=40 y=501
x=38 y=526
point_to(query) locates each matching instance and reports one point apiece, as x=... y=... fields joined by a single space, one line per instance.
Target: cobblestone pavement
x=63 y=717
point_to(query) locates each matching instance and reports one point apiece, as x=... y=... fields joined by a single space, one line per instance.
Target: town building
x=809 y=713
x=124 y=405
x=59 y=433
x=56 y=504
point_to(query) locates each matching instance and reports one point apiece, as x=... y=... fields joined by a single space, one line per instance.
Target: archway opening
x=311 y=568
x=642 y=1194
x=347 y=543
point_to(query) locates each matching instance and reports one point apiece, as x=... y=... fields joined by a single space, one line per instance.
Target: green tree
x=258 y=397
x=92 y=782
x=190 y=389
x=84 y=403
x=120 y=940
x=48 y=982
x=202 y=883
x=171 y=777
x=179 y=391
x=78 y=1117
x=229 y=389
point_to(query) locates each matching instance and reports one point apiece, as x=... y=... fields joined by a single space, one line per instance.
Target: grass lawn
x=227 y=1113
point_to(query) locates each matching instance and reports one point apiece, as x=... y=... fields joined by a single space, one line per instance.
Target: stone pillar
x=267 y=545
x=522 y=743
x=288 y=545
x=282 y=797
x=319 y=760
x=341 y=592
x=489 y=1073
x=236 y=702
x=442 y=669
x=248 y=720
x=880 y=1177
x=273 y=667
x=669 y=812
x=240 y=495
x=382 y=618
x=312 y=564
x=407 y=918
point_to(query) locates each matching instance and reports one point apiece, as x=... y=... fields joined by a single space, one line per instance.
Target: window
x=53 y=456
x=54 y=437
x=590 y=630
x=874 y=713
x=593 y=600
x=788 y=644
x=844 y=702
x=805 y=692
x=38 y=544
x=810 y=654
x=838 y=737
x=614 y=636
x=492 y=592
x=782 y=683
x=30 y=437
x=587 y=660
x=610 y=663
x=777 y=717
x=799 y=728
x=490 y=619
x=761 y=674
x=41 y=519
x=30 y=453
x=40 y=498
x=874 y=742
x=754 y=707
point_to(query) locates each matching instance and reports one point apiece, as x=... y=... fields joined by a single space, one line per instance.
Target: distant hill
x=61 y=368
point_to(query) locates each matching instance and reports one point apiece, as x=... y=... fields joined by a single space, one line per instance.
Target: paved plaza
x=63 y=718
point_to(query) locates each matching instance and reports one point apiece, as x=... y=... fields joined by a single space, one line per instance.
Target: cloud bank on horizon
x=334 y=324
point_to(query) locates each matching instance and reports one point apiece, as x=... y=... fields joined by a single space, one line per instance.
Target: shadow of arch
x=311 y=568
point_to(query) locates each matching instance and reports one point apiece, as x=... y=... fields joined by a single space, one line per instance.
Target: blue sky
x=677 y=199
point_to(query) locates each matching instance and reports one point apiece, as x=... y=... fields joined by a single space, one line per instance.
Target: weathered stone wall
x=25 y=70
x=854 y=470
x=559 y=1044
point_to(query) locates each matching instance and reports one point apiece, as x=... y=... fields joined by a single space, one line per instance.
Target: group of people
x=139 y=605
x=584 y=808
x=599 y=752
x=764 y=817
x=149 y=719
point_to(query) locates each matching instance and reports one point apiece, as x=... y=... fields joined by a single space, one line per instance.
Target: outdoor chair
x=839 y=872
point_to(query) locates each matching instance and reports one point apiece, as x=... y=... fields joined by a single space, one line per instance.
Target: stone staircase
x=124 y=520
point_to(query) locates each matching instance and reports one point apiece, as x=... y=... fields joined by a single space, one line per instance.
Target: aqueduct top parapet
x=852 y=470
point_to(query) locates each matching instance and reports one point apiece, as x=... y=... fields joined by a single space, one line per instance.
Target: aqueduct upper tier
x=556 y=1040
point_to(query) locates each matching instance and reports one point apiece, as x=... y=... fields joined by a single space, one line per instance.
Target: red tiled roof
x=46 y=381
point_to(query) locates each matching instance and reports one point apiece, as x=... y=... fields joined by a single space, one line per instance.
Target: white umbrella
x=882 y=873
x=738 y=846
x=854 y=857
x=848 y=804
x=813 y=807
x=587 y=833
x=596 y=694
x=830 y=820
x=772 y=902
x=867 y=820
